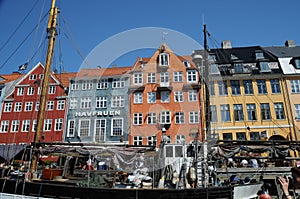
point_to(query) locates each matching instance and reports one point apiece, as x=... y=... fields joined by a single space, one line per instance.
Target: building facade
x=98 y=106
x=21 y=106
x=164 y=100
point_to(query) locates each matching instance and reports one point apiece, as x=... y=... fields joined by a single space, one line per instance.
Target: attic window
x=233 y=57
x=297 y=63
x=187 y=63
x=164 y=59
x=264 y=67
x=259 y=55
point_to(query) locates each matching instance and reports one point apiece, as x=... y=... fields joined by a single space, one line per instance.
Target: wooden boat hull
x=61 y=190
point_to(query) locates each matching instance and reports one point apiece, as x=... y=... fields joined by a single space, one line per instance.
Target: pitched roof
x=284 y=51
x=92 y=72
x=64 y=78
x=11 y=77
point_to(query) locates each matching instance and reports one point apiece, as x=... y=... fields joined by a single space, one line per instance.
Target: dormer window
x=259 y=55
x=297 y=63
x=164 y=59
x=264 y=67
x=187 y=63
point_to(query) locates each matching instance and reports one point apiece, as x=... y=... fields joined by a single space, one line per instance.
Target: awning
x=8 y=152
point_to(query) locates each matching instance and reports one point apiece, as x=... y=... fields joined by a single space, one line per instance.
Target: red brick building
x=164 y=99
x=20 y=108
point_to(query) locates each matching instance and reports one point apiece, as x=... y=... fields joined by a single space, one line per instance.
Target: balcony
x=164 y=86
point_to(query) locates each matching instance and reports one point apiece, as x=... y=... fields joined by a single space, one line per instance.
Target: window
x=100 y=128
x=254 y=136
x=4 y=126
x=211 y=88
x=30 y=91
x=117 y=126
x=25 y=125
x=165 y=96
x=75 y=85
x=165 y=117
x=39 y=90
x=227 y=136
x=238 y=68
x=34 y=125
x=18 y=107
x=73 y=102
x=71 y=128
x=50 y=105
x=238 y=112
x=41 y=76
x=152 y=140
x=225 y=113
x=138 y=118
x=137 y=140
x=261 y=86
x=117 y=101
x=259 y=55
x=138 y=78
x=118 y=83
x=180 y=139
x=102 y=84
x=222 y=88
x=47 y=124
x=213 y=113
x=138 y=98
x=28 y=106
x=20 y=91
x=151 y=78
x=151 y=118
x=8 y=107
x=279 y=111
x=186 y=63
x=37 y=106
x=85 y=103
x=191 y=76
x=15 y=124
x=297 y=63
x=192 y=96
x=58 y=124
x=51 y=89
x=87 y=85
x=251 y=112
x=214 y=69
x=265 y=111
x=248 y=87
x=241 y=136
x=235 y=87
x=178 y=76
x=297 y=110
x=101 y=102
x=84 y=128
x=164 y=59
x=32 y=77
x=179 y=117
x=194 y=117
x=60 y=105
x=264 y=67
x=178 y=96
x=164 y=79
x=151 y=97
x=295 y=86
x=275 y=86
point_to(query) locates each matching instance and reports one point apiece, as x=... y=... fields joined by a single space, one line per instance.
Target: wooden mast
x=51 y=34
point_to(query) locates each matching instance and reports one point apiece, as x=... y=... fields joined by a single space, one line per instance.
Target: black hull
x=52 y=190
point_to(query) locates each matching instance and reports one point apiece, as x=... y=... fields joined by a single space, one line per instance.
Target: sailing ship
x=133 y=181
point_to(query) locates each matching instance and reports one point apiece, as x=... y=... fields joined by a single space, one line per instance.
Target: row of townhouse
x=254 y=94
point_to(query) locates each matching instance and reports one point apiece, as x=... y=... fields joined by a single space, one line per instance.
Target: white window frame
x=151 y=118
x=20 y=91
x=191 y=76
x=85 y=102
x=58 y=124
x=102 y=84
x=87 y=84
x=47 y=124
x=30 y=91
x=25 y=126
x=165 y=117
x=164 y=59
x=101 y=102
x=117 y=101
x=192 y=96
x=71 y=128
x=100 y=130
x=165 y=96
x=297 y=111
x=295 y=86
x=138 y=78
x=50 y=105
x=194 y=117
x=84 y=131
x=37 y=106
x=137 y=118
x=8 y=107
x=60 y=105
x=152 y=140
x=32 y=77
x=178 y=76
x=151 y=97
x=4 y=126
x=18 y=107
x=179 y=118
x=118 y=83
x=28 y=106
x=73 y=103
x=75 y=85
x=137 y=140
x=34 y=126
x=178 y=96
x=52 y=89
x=15 y=125
x=113 y=125
x=151 y=78
x=138 y=98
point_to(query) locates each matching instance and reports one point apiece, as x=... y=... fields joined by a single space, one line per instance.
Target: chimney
x=289 y=43
x=226 y=44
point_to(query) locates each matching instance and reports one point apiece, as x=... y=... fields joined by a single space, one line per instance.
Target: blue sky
x=90 y=22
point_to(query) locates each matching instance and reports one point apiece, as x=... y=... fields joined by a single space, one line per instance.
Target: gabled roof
x=11 y=77
x=98 y=72
x=284 y=51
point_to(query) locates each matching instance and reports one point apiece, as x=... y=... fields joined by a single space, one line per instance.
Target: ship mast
x=51 y=34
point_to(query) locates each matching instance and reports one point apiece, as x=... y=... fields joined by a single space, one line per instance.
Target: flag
x=23 y=66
